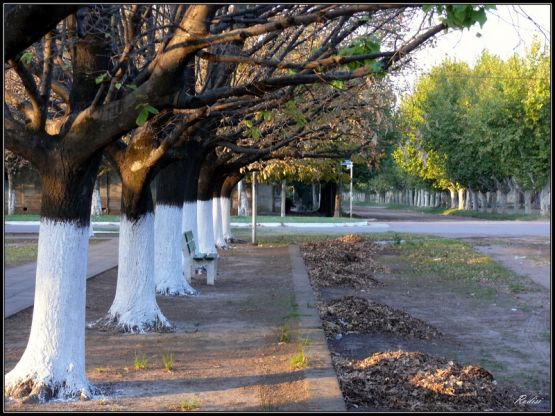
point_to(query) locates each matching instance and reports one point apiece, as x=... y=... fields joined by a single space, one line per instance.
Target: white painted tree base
x=217 y=224
x=205 y=241
x=53 y=364
x=168 y=263
x=226 y=218
x=134 y=308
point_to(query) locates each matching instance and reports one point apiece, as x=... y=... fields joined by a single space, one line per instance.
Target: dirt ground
x=253 y=297
x=508 y=335
x=225 y=350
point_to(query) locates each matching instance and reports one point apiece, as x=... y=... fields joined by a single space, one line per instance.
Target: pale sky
x=505 y=32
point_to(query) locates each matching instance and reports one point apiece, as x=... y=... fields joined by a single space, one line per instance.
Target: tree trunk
x=482 y=201
x=283 y=198
x=11 y=194
x=108 y=211
x=244 y=208
x=468 y=201
x=493 y=201
x=314 y=197
x=545 y=200
x=502 y=202
x=453 y=195
x=217 y=224
x=96 y=206
x=474 y=197
x=327 y=200
x=461 y=198
x=134 y=308
x=338 y=201
x=169 y=274
x=528 y=202
x=53 y=363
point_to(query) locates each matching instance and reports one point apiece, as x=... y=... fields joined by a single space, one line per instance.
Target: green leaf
x=248 y=123
x=131 y=87
x=118 y=85
x=254 y=133
x=268 y=116
x=338 y=84
x=101 y=78
x=27 y=57
x=142 y=117
x=151 y=109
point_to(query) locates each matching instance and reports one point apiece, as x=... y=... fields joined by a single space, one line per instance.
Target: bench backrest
x=190 y=242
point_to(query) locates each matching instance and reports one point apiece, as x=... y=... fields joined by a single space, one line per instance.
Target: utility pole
x=254 y=207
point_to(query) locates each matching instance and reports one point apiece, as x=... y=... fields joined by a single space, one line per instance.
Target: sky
x=504 y=33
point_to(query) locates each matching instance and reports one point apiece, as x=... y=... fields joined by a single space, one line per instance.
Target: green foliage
x=363 y=46
x=26 y=57
x=284 y=334
x=145 y=110
x=140 y=361
x=459 y=16
x=189 y=405
x=101 y=78
x=167 y=359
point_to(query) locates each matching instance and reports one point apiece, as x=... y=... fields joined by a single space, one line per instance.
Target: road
x=455 y=228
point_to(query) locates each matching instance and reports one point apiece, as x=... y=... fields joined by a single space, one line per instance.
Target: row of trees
x=478 y=131
x=189 y=94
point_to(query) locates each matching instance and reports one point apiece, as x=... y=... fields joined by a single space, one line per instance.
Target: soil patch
x=505 y=336
x=226 y=350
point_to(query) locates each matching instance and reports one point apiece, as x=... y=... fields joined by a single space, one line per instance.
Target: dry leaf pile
x=351 y=314
x=419 y=382
x=346 y=261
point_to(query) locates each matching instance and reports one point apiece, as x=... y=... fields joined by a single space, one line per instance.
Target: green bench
x=207 y=260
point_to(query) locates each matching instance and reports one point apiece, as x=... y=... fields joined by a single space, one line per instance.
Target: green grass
x=454 y=260
x=292 y=218
x=167 y=359
x=189 y=405
x=299 y=360
x=140 y=361
x=459 y=213
x=14 y=256
x=36 y=217
x=284 y=334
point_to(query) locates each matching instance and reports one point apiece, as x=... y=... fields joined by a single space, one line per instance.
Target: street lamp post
x=254 y=208
x=349 y=164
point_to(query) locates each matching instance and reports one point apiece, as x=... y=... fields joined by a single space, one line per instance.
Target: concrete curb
x=323 y=387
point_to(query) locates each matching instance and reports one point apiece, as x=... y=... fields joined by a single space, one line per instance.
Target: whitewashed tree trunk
x=502 y=202
x=452 y=193
x=11 y=194
x=314 y=197
x=468 y=201
x=545 y=200
x=493 y=201
x=528 y=202
x=54 y=361
x=461 y=198
x=226 y=218
x=206 y=243
x=134 y=308
x=96 y=206
x=427 y=199
x=217 y=223
x=283 y=197
x=243 y=200
x=482 y=201
x=474 y=196
x=169 y=274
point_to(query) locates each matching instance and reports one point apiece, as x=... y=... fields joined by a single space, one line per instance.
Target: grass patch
x=188 y=405
x=454 y=260
x=140 y=361
x=15 y=255
x=299 y=360
x=36 y=217
x=284 y=334
x=292 y=218
x=167 y=359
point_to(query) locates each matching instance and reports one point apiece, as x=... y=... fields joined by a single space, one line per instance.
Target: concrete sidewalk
x=19 y=281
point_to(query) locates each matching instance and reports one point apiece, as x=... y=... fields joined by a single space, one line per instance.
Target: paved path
x=19 y=281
